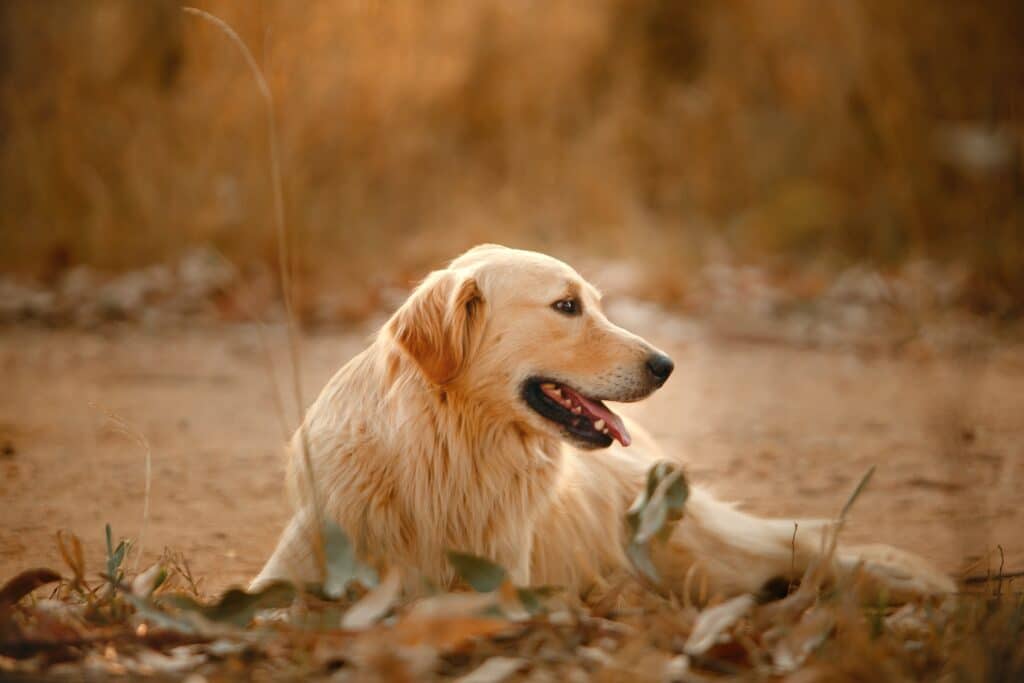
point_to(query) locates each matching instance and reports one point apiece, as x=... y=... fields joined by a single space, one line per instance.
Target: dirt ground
x=787 y=431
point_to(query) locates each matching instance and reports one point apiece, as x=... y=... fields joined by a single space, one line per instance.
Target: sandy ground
x=787 y=431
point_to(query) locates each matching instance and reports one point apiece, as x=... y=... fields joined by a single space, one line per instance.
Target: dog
x=476 y=421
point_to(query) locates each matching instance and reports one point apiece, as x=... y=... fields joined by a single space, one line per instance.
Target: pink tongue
x=598 y=411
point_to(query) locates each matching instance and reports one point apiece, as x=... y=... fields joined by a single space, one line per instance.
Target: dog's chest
x=442 y=499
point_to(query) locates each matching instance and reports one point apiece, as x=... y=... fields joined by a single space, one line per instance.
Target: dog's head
x=524 y=334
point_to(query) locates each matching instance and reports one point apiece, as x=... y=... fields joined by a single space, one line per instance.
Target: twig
x=121 y=425
x=856 y=492
x=792 y=557
x=688 y=586
x=179 y=564
x=261 y=327
x=284 y=260
x=985 y=578
x=861 y=485
x=1002 y=562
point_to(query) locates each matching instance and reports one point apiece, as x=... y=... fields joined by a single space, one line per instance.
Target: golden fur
x=423 y=443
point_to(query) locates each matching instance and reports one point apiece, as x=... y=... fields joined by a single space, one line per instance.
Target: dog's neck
x=454 y=423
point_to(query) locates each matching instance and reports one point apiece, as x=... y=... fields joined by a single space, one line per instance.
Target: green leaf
x=530 y=601
x=154 y=614
x=654 y=475
x=342 y=564
x=857 y=491
x=532 y=598
x=677 y=491
x=236 y=606
x=482 y=575
x=115 y=556
x=111 y=567
x=640 y=557
x=662 y=500
x=148 y=581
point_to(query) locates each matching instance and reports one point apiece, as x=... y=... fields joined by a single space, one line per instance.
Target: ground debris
x=140 y=627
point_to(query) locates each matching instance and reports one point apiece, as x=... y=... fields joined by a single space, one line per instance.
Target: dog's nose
x=660 y=366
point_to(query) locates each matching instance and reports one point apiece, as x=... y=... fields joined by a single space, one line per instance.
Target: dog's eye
x=567 y=306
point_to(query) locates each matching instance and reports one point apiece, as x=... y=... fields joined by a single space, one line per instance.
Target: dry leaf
x=447 y=633
x=148 y=581
x=23 y=584
x=374 y=604
x=494 y=670
x=811 y=631
x=714 y=621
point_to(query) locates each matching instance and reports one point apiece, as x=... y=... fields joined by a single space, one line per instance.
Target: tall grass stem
x=284 y=259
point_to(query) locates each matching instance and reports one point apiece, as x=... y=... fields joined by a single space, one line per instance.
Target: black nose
x=661 y=366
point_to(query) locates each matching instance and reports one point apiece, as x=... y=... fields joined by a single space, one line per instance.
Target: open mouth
x=585 y=419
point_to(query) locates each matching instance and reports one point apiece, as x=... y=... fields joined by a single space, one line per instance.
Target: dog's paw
x=894 y=574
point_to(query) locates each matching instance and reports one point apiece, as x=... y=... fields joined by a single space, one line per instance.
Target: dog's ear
x=439 y=325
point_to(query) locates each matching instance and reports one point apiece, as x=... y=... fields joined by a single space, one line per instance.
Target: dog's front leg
x=294 y=558
x=519 y=571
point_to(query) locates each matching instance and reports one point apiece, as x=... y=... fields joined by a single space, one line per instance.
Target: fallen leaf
x=810 y=632
x=236 y=606
x=447 y=633
x=148 y=581
x=661 y=501
x=666 y=501
x=24 y=583
x=715 y=621
x=374 y=604
x=71 y=550
x=494 y=670
x=342 y=564
x=177 y=660
x=157 y=616
x=531 y=598
x=481 y=574
x=453 y=605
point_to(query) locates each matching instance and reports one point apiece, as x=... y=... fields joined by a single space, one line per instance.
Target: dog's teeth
x=605 y=432
x=599 y=425
x=548 y=386
x=576 y=410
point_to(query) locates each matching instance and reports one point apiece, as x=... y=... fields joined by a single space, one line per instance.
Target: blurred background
x=797 y=136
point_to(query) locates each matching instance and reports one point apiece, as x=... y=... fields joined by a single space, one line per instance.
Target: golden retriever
x=476 y=421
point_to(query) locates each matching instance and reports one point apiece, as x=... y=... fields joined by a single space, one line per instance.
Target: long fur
x=421 y=444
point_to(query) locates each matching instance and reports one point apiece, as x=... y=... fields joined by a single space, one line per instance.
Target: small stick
x=1002 y=560
x=284 y=263
x=122 y=426
x=985 y=578
x=792 y=557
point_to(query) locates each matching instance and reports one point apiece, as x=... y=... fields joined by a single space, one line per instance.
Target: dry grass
x=790 y=133
x=157 y=623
